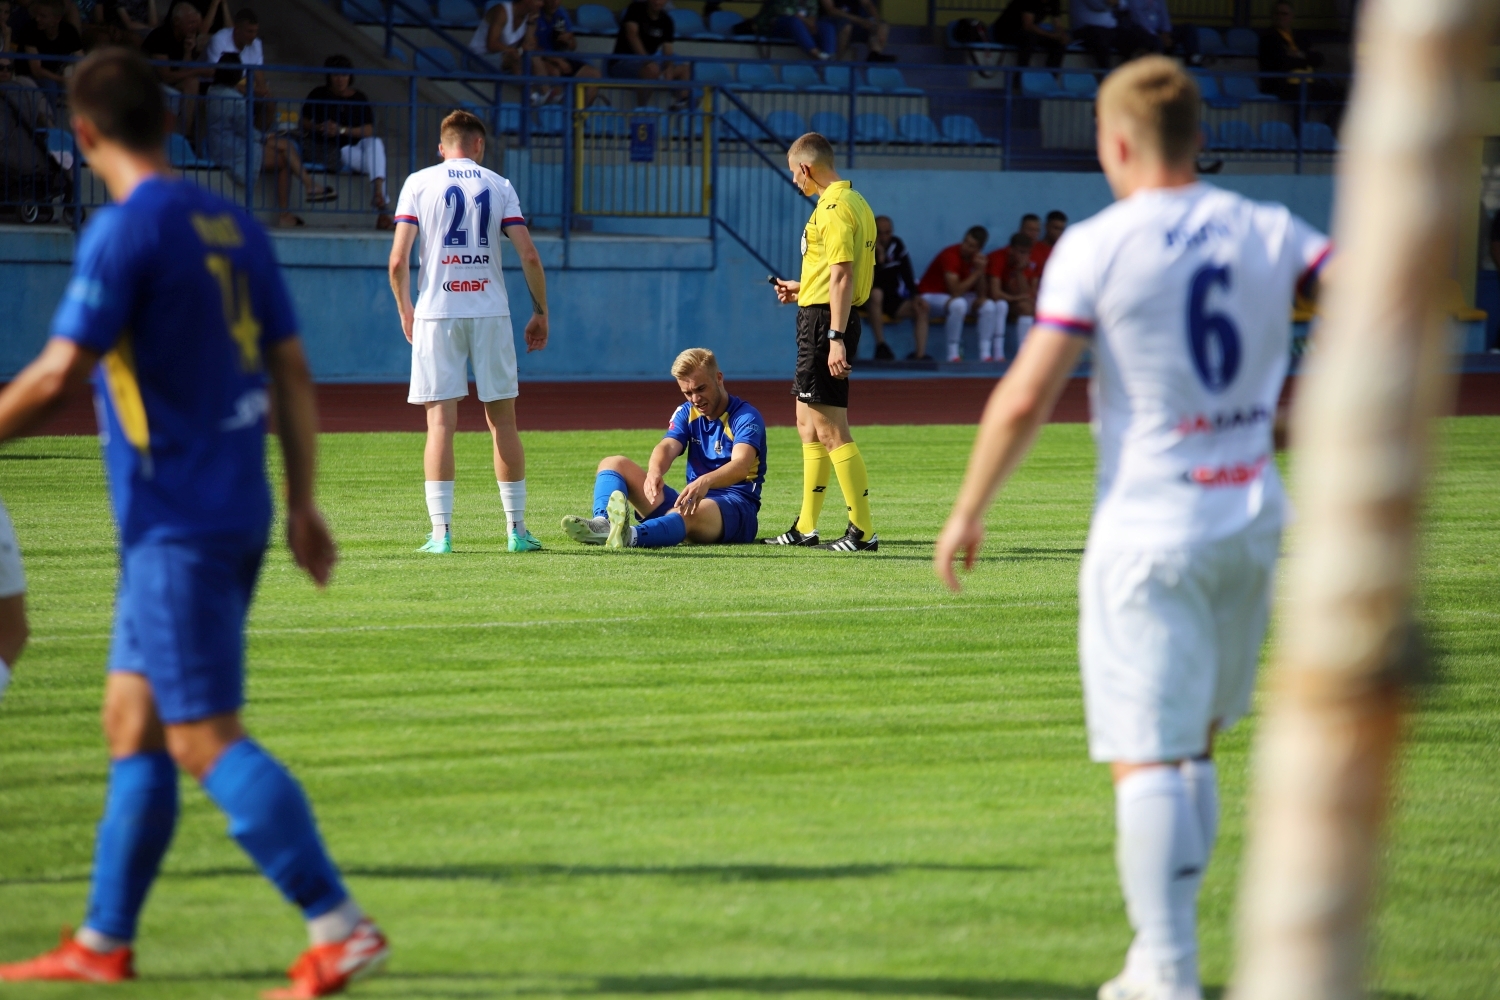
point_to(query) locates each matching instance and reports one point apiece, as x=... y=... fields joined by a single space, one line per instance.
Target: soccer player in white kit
x=13 y=629
x=460 y=209
x=1184 y=292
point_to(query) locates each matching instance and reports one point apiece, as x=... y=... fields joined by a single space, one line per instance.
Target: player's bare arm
x=662 y=457
x=840 y=299
x=536 y=284
x=399 y=268
x=307 y=534
x=42 y=385
x=741 y=465
x=1017 y=409
x=962 y=286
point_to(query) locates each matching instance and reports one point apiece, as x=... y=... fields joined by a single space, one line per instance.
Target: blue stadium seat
x=180 y=154
x=963 y=130
x=1278 y=136
x=500 y=118
x=722 y=22
x=612 y=124
x=715 y=73
x=457 y=13
x=742 y=127
x=1208 y=136
x=595 y=19
x=1037 y=83
x=60 y=140
x=1209 y=42
x=1318 y=138
x=509 y=119
x=831 y=125
x=1208 y=86
x=549 y=119
x=953 y=43
x=1236 y=135
x=786 y=125
x=364 y=11
x=800 y=76
x=837 y=77
x=757 y=76
x=888 y=80
x=434 y=59
x=870 y=127
x=1243 y=87
x=405 y=17
x=689 y=24
x=1080 y=85
x=918 y=129
x=1242 y=42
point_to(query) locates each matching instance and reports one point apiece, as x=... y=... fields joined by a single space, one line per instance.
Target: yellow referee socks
x=816 y=470
x=855 y=482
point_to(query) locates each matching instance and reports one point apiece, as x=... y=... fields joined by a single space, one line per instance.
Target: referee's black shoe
x=854 y=541
x=792 y=536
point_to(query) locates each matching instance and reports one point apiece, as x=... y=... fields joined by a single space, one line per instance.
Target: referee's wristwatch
x=835 y=335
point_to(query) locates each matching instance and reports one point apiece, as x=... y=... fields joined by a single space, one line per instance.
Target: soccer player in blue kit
x=725 y=441
x=177 y=304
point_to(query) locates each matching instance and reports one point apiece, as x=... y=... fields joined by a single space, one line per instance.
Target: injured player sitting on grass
x=725 y=441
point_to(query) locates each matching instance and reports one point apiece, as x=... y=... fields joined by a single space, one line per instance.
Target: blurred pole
x=1362 y=425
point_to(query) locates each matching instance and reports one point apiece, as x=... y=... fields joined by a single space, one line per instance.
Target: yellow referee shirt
x=841 y=228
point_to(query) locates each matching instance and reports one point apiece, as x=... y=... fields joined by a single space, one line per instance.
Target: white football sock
x=440 y=507
x=958 y=309
x=335 y=925
x=1023 y=327
x=101 y=943
x=1160 y=855
x=1201 y=779
x=513 y=496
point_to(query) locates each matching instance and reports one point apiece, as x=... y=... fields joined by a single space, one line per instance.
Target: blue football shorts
x=741 y=514
x=180 y=621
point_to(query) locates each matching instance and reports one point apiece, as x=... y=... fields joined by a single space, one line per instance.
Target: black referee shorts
x=813 y=384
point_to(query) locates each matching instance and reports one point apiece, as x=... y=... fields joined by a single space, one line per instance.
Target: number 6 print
x=1212 y=337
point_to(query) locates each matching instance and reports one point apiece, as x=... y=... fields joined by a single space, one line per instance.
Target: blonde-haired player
x=462 y=316
x=1184 y=292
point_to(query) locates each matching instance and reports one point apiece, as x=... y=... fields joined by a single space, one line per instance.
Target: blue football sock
x=270 y=818
x=660 y=532
x=605 y=483
x=140 y=813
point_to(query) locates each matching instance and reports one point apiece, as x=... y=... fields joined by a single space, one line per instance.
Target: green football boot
x=443 y=547
x=522 y=543
x=621 y=536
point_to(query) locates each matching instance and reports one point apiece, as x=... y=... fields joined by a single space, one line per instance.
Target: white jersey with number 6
x=1187 y=293
x=460 y=210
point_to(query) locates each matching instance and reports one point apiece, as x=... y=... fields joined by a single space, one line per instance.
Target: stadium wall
x=642 y=299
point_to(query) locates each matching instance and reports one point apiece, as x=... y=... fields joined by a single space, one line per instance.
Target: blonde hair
x=1157 y=102
x=813 y=149
x=693 y=359
x=463 y=126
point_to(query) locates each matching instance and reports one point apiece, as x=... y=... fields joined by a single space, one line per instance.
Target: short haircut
x=341 y=64
x=1029 y=216
x=117 y=91
x=1156 y=101
x=887 y=218
x=229 y=73
x=246 y=16
x=1022 y=243
x=181 y=10
x=978 y=233
x=812 y=148
x=1056 y=215
x=460 y=128
x=694 y=359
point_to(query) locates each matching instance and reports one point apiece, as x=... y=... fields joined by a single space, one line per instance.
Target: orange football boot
x=72 y=961
x=325 y=969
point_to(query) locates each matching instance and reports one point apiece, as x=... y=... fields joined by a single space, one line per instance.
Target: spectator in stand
x=1098 y=24
x=128 y=19
x=953 y=282
x=507 y=29
x=180 y=39
x=5 y=34
x=1030 y=227
x=27 y=169
x=1056 y=223
x=49 y=34
x=243 y=40
x=1013 y=280
x=226 y=139
x=339 y=126
x=857 y=22
x=1151 y=16
x=1280 y=52
x=554 y=35
x=893 y=297
x=798 y=21
x=1031 y=26
x=645 y=30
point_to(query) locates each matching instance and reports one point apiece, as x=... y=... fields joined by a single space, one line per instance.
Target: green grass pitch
x=709 y=772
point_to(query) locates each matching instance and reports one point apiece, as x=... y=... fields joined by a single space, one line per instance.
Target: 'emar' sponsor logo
x=476 y=285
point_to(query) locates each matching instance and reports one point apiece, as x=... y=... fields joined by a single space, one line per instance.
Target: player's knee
x=958 y=306
x=919 y=306
x=614 y=463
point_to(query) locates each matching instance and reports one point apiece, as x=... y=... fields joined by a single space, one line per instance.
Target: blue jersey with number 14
x=178 y=291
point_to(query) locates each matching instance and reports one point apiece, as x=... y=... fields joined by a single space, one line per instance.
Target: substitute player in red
x=462 y=316
x=1185 y=292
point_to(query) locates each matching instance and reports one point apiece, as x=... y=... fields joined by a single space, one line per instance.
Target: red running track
x=549 y=406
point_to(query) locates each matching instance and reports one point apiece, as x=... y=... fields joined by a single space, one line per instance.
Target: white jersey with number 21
x=1187 y=293
x=460 y=210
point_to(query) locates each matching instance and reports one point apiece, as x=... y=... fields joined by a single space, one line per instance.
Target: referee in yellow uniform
x=838 y=268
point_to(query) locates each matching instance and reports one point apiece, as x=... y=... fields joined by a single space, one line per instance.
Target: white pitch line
x=614 y=620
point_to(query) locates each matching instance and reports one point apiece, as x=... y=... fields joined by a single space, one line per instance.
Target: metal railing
x=1209 y=12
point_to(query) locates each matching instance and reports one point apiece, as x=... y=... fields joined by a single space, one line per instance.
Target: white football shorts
x=441 y=350
x=1169 y=641
x=12 y=576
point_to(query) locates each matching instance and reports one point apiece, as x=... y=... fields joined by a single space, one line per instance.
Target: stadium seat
x=180 y=154
x=1037 y=83
x=722 y=22
x=836 y=77
x=549 y=119
x=1243 y=87
x=1242 y=42
x=800 y=76
x=1318 y=138
x=757 y=76
x=952 y=42
x=1278 y=136
x=714 y=73
x=870 y=127
x=434 y=59
x=689 y=24
x=1080 y=85
x=611 y=124
x=1208 y=86
x=408 y=15
x=457 y=13
x=917 y=129
x=596 y=19
x=963 y=130
x=1209 y=42
x=1236 y=135
x=742 y=127
x=786 y=125
x=509 y=120
x=1208 y=136
x=831 y=125
x=60 y=140
x=888 y=80
x=364 y=11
